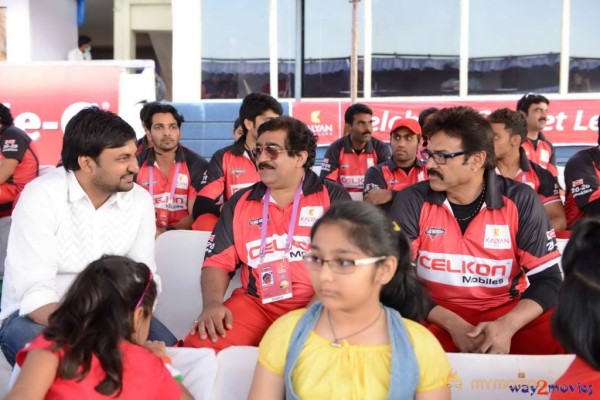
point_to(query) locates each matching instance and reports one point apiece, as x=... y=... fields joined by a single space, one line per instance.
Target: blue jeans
x=16 y=331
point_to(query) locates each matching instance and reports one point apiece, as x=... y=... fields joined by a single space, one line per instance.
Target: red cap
x=411 y=124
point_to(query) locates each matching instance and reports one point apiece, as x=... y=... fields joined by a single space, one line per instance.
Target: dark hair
x=6 y=118
x=576 y=319
x=354 y=109
x=530 y=98
x=91 y=131
x=514 y=121
x=144 y=111
x=97 y=314
x=466 y=124
x=160 y=108
x=370 y=229
x=299 y=137
x=236 y=124
x=83 y=40
x=256 y=104
x=426 y=113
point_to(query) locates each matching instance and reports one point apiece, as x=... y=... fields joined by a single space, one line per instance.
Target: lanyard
x=173 y=185
x=290 y=237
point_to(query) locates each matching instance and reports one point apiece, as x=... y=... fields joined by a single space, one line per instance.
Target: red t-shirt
x=582 y=181
x=580 y=381
x=542 y=154
x=144 y=376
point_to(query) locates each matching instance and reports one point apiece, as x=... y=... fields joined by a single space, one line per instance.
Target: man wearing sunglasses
x=347 y=159
x=510 y=130
x=232 y=168
x=537 y=148
x=384 y=180
x=264 y=230
x=482 y=244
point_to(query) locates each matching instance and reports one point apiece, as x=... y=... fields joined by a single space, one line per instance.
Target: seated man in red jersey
x=384 y=180
x=347 y=159
x=169 y=171
x=537 y=148
x=582 y=179
x=482 y=243
x=264 y=230
x=510 y=131
x=18 y=161
x=232 y=168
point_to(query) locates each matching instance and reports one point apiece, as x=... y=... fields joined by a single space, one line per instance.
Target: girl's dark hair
x=97 y=314
x=372 y=231
x=576 y=318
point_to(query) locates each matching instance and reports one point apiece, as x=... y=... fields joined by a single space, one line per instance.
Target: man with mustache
x=348 y=158
x=384 y=180
x=537 y=148
x=232 y=168
x=170 y=172
x=69 y=217
x=482 y=244
x=264 y=229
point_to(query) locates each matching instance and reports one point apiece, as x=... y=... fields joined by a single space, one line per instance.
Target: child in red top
x=576 y=320
x=91 y=347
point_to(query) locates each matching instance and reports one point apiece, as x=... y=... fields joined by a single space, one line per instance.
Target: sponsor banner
x=570 y=121
x=43 y=98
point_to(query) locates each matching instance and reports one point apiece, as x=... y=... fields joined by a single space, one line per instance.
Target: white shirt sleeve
x=32 y=257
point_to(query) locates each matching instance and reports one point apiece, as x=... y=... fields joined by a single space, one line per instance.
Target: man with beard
x=482 y=244
x=70 y=217
x=348 y=158
x=384 y=180
x=170 y=172
x=264 y=229
x=537 y=148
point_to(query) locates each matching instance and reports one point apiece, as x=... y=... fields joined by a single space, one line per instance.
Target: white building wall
x=18 y=32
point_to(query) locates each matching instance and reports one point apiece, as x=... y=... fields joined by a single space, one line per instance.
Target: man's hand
x=213 y=320
x=40 y=315
x=464 y=339
x=379 y=196
x=497 y=335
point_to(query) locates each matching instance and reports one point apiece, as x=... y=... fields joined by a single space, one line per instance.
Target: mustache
x=264 y=165
x=431 y=172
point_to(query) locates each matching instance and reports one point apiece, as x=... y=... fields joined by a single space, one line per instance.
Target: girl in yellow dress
x=353 y=342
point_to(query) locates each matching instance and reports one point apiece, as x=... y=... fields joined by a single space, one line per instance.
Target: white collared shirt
x=56 y=232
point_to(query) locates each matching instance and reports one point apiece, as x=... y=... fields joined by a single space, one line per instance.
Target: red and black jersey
x=191 y=169
x=541 y=153
x=389 y=176
x=582 y=179
x=17 y=145
x=509 y=239
x=342 y=164
x=539 y=179
x=230 y=169
x=235 y=241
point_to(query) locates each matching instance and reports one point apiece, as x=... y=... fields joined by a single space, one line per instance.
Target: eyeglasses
x=150 y=277
x=272 y=151
x=531 y=94
x=339 y=266
x=438 y=157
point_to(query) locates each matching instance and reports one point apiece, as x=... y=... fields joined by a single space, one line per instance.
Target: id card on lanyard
x=275 y=275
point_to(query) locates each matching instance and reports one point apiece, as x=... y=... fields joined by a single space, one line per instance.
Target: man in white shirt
x=83 y=50
x=70 y=217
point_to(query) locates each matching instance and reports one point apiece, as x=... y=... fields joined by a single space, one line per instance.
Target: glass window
x=235 y=48
x=286 y=25
x=584 y=64
x=415 y=47
x=327 y=47
x=514 y=46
